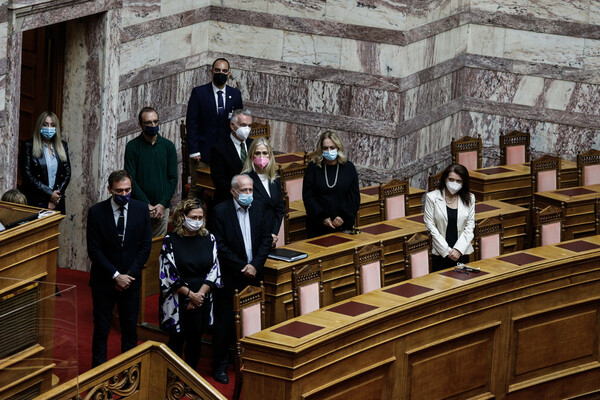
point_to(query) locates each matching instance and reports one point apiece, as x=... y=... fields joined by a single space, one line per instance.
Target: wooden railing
x=149 y=371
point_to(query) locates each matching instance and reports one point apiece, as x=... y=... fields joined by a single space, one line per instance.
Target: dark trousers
x=192 y=323
x=128 y=302
x=224 y=332
x=439 y=263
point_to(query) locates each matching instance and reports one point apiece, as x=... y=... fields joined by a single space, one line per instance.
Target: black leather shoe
x=221 y=377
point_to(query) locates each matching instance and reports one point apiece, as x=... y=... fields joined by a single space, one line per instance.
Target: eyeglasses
x=150 y=123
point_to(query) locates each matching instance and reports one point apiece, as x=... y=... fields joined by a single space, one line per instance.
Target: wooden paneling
x=526 y=327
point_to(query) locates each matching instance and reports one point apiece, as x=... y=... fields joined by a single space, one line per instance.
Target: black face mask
x=151 y=130
x=219 y=79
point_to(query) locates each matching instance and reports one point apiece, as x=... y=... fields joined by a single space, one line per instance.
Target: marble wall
x=398 y=80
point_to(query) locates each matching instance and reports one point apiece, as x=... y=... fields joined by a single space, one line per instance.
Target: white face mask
x=192 y=224
x=243 y=132
x=453 y=187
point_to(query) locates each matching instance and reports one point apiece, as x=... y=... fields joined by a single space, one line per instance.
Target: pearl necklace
x=336 y=176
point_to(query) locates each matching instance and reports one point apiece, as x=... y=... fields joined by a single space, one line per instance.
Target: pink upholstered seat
x=293 y=188
x=251 y=320
x=281 y=235
x=490 y=246
x=468 y=159
x=371 y=277
x=551 y=233
x=546 y=181
x=309 y=298
x=395 y=207
x=419 y=263
x=515 y=154
x=591 y=174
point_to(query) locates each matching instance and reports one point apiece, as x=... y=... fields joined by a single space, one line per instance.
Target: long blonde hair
x=270 y=170
x=184 y=208
x=56 y=140
x=334 y=137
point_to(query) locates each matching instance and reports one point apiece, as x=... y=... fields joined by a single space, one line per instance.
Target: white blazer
x=436 y=221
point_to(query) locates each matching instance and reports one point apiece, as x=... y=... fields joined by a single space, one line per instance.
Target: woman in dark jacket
x=261 y=167
x=330 y=188
x=45 y=166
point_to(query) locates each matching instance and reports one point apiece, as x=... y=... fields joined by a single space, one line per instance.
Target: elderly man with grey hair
x=243 y=232
x=228 y=157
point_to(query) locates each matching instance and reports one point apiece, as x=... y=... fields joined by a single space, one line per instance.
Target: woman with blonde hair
x=189 y=271
x=45 y=165
x=330 y=189
x=261 y=167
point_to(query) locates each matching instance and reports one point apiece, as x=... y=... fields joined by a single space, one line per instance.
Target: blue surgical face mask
x=330 y=155
x=245 y=199
x=48 y=132
x=122 y=199
x=151 y=130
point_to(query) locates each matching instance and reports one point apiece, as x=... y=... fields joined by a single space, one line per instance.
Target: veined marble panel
x=311 y=49
x=3 y=40
x=176 y=44
x=359 y=56
x=392 y=15
x=514 y=7
x=246 y=40
x=544 y=48
x=490 y=85
x=450 y=44
x=2 y=92
x=368 y=150
x=170 y=7
x=372 y=104
x=594 y=17
x=585 y=99
x=313 y=9
x=529 y=91
x=424 y=98
x=486 y=40
x=139 y=11
x=139 y=54
x=591 y=54
x=571 y=10
x=558 y=94
x=200 y=36
x=246 y=5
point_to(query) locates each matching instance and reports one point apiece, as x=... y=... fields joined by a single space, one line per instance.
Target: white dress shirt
x=236 y=144
x=243 y=217
x=265 y=181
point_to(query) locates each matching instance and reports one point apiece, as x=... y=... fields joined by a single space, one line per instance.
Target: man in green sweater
x=151 y=159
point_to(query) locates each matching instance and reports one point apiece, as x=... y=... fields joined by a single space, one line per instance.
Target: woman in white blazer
x=450 y=218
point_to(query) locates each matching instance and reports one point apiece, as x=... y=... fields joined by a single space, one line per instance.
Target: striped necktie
x=121 y=224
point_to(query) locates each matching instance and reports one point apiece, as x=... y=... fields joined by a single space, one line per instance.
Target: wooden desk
x=579 y=208
x=28 y=255
x=368 y=212
x=524 y=328
x=512 y=183
x=338 y=264
x=515 y=220
x=205 y=180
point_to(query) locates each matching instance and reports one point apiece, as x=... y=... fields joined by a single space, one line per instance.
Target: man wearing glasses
x=151 y=159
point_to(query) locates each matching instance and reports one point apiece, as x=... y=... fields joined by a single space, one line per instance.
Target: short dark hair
x=118 y=176
x=461 y=171
x=220 y=59
x=145 y=110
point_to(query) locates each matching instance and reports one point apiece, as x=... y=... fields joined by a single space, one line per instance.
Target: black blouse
x=342 y=199
x=452 y=228
x=194 y=259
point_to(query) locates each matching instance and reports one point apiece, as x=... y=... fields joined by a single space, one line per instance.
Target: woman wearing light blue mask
x=330 y=188
x=45 y=166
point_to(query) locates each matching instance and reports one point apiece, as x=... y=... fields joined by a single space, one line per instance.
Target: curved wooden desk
x=526 y=327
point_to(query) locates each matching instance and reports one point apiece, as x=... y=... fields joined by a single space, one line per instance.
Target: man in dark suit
x=243 y=233
x=208 y=112
x=228 y=157
x=119 y=238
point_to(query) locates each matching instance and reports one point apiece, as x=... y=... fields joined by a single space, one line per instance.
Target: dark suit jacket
x=34 y=174
x=204 y=127
x=230 y=244
x=104 y=247
x=225 y=164
x=273 y=203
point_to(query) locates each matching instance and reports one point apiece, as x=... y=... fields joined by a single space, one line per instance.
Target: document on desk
x=287 y=255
